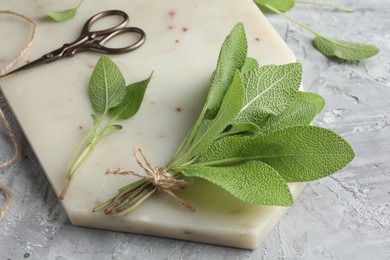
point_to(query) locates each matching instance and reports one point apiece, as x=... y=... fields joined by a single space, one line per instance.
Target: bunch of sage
x=252 y=136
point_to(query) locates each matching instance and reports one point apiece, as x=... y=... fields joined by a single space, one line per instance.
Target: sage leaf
x=131 y=103
x=344 y=50
x=281 y=5
x=231 y=58
x=301 y=111
x=106 y=86
x=252 y=182
x=110 y=129
x=313 y=98
x=268 y=90
x=300 y=153
x=250 y=64
x=243 y=128
x=64 y=15
x=210 y=129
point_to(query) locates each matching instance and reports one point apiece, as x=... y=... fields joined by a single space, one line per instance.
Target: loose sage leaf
x=108 y=130
x=65 y=15
x=253 y=182
x=344 y=50
x=281 y=5
x=231 y=58
x=268 y=90
x=209 y=130
x=131 y=103
x=250 y=64
x=106 y=86
x=301 y=111
x=300 y=153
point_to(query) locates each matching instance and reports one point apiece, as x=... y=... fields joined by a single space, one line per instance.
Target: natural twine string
x=11 y=132
x=158 y=176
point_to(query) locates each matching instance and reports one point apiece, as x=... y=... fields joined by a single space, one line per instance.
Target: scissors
x=92 y=41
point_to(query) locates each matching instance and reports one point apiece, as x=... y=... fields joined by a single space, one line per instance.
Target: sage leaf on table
x=344 y=50
x=108 y=96
x=281 y=5
x=329 y=47
x=65 y=15
x=252 y=137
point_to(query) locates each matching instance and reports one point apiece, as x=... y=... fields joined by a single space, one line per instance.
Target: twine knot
x=162 y=179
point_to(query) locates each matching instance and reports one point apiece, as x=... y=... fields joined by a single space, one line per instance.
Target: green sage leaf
x=108 y=130
x=268 y=90
x=300 y=153
x=131 y=103
x=344 y=50
x=107 y=85
x=252 y=182
x=209 y=130
x=247 y=128
x=301 y=111
x=250 y=64
x=231 y=58
x=281 y=5
x=65 y=15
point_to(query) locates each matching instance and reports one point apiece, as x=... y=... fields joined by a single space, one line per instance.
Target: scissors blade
x=49 y=57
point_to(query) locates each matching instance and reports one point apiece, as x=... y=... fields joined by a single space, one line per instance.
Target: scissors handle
x=98 y=45
x=90 y=35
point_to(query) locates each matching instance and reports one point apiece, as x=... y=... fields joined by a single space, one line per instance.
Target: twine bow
x=163 y=180
x=11 y=132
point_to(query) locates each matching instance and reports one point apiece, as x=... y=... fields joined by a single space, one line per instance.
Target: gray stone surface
x=345 y=216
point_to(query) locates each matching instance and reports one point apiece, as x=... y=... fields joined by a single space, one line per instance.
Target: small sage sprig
x=62 y=16
x=252 y=136
x=328 y=46
x=110 y=97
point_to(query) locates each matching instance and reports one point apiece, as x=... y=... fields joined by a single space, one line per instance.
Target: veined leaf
x=65 y=15
x=209 y=130
x=250 y=64
x=300 y=153
x=248 y=128
x=107 y=85
x=231 y=58
x=281 y=5
x=131 y=103
x=252 y=182
x=301 y=111
x=315 y=99
x=268 y=90
x=344 y=50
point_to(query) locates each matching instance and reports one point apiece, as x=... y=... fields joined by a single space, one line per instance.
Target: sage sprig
x=328 y=46
x=110 y=97
x=252 y=136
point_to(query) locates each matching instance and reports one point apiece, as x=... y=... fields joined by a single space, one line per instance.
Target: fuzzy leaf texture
x=253 y=182
x=231 y=58
x=281 y=5
x=209 y=130
x=107 y=85
x=301 y=111
x=132 y=102
x=344 y=50
x=250 y=64
x=268 y=90
x=299 y=154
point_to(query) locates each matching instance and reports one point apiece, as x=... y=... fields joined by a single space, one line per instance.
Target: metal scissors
x=92 y=41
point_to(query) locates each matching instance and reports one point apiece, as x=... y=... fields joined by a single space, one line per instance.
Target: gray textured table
x=345 y=216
